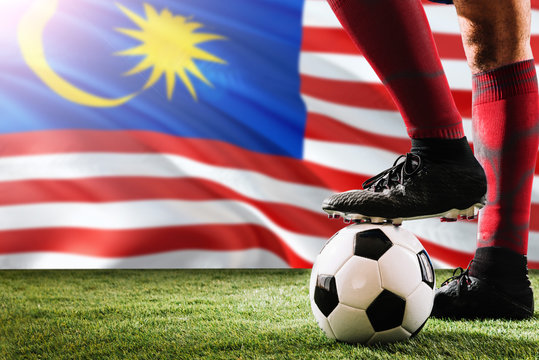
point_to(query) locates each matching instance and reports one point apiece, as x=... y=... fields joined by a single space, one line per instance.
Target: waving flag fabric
x=198 y=133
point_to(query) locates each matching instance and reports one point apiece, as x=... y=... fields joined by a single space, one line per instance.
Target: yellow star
x=169 y=45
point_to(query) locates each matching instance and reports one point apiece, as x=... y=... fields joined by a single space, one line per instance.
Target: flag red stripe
x=456 y=258
x=367 y=95
x=110 y=189
x=125 y=243
x=211 y=152
x=450 y=256
x=337 y=180
x=351 y=93
x=321 y=127
x=336 y=40
x=206 y=151
x=324 y=128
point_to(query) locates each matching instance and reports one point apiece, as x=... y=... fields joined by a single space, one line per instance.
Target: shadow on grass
x=454 y=343
x=463 y=344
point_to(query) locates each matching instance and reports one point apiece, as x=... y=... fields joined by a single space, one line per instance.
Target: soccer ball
x=372 y=284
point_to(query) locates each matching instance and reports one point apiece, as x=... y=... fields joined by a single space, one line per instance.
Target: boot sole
x=451 y=215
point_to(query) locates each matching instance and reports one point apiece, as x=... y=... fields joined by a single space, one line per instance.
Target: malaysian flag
x=200 y=133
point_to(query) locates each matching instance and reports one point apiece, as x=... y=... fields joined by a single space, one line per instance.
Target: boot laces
x=462 y=278
x=395 y=175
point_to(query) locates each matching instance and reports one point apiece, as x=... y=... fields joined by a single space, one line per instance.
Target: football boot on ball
x=416 y=187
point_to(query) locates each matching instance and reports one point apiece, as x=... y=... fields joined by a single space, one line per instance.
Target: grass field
x=212 y=314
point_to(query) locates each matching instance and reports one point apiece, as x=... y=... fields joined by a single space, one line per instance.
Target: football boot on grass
x=421 y=184
x=504 y=294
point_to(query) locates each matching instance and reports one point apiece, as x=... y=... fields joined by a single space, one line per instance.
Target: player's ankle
x=500 y=266
x=457 y=150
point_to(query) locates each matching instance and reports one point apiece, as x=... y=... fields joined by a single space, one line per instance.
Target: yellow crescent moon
x=30 y=33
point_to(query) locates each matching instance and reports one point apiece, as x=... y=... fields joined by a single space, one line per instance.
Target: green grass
x=212 y=314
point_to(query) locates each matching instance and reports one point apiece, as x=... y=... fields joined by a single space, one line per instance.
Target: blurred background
x=198 y=134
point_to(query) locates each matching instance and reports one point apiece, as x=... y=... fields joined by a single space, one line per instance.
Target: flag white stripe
x=355 y=158
x=82 y=165
x=363 y=160
x=383 y=122
x=197 y=259
x=460 y=236
x=144 y=214
x=439 y=264
x=345 y=67
x=185 y=259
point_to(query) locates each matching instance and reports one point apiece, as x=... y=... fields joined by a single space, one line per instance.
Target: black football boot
x=438 y=178
x=495 y=286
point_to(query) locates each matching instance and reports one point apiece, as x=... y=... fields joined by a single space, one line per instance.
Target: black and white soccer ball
x=372 y=284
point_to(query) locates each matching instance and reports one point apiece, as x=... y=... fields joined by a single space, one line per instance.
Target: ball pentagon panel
x=371 y=243
x=400 y=271
x=326 y=296
x=386 y=311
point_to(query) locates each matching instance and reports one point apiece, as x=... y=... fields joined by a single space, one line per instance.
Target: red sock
x=505 y=119
x=395 y=37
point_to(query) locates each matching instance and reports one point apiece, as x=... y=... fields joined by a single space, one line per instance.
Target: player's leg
x=395 y=37
x=505 y=119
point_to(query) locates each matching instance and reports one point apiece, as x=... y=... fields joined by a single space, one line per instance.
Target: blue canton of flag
x=219 y=71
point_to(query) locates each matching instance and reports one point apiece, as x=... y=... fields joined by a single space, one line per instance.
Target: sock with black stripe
x=505 y=120
x=395 y=38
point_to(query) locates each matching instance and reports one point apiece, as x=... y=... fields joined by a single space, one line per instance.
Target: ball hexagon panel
x=400 y=271
x=325 y=294
x=391 y=335
x=335 y=253
x=403 y=237
x=418 y=307
x=350 y=324
x=322 y=321
x=386 y=311
x=328 y=241
x=371 y=244
x=358 y=281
